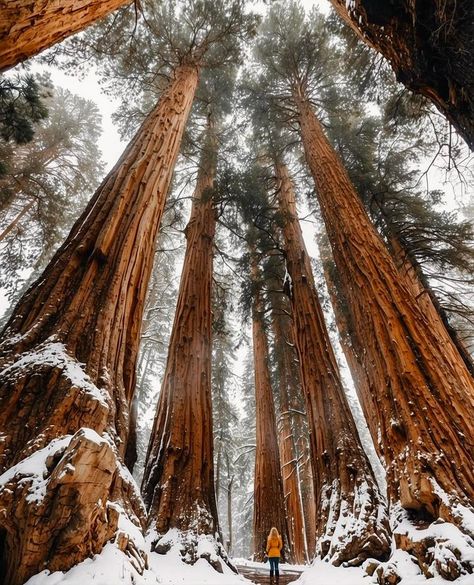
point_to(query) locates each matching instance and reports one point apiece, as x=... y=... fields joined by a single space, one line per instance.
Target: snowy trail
x=260 y=574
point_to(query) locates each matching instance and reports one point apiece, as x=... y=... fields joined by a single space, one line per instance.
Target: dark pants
x=274 y=565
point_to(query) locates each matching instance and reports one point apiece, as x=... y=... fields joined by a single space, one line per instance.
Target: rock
x=214 y=562
x=387 y=575
x=161 y=548
x=370 y=566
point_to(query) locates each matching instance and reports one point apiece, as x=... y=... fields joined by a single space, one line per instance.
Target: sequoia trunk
x=30 y=26
x=352 y=522
x=269 y=502
x=430 y=47
x=178 y=483
x=288 y=379
x=68 y=354
x=421 y=394
x=416 y=282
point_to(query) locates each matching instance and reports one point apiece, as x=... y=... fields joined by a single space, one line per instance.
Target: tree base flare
x=190 y=547
x=433 y=548
x=357 y=528
x=63 y=503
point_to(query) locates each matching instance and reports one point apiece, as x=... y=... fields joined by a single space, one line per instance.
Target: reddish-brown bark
x=269 y=502
x=178 y=483
x=415 y=281
x=352 y=523
x=420 y=394
x=288 y=380
x=430 y=47
x=68 y=353
x=30 y=26
x=307 y=495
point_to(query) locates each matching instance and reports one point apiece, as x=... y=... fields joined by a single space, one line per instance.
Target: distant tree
x=269 y=502
x=21 y=105
x=27 y=27
x=244 y=464
x=155 y=333
x=225 y=412
x=46 y=183
x=289 y=386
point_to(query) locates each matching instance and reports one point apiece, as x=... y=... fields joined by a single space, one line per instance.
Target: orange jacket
x=274 y=546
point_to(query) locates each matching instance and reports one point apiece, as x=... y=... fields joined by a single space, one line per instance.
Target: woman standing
x=274 y=546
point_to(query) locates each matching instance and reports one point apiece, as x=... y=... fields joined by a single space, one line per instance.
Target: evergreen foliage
x=21 y=106
x=46 y=184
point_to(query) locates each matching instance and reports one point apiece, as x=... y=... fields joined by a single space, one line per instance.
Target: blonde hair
x=273 y=533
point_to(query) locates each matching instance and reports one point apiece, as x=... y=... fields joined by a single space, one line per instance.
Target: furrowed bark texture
x=351 y=345
x=68 y=353
x=307 y=496
x=288 y=378
x=419 y=392
x=352 y=521
x=415 y=281
x=178 y=483
x=269 y=502
x=429 y=46
x=30 y=26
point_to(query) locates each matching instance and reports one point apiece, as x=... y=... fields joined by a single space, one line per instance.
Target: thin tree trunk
x=430 y=47
x=230 y=484
x=288 y=378
x=178 y=483
x=68 y=356
x=30 y=26
x=421 y=392
x=16 y=220
x=352 y=521
x=269 y=502
x=308 y=497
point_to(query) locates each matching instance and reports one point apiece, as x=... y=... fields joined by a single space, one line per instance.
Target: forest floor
x=112 y=567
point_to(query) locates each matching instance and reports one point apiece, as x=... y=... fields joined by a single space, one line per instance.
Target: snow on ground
x=112 y=567
x=323 y=573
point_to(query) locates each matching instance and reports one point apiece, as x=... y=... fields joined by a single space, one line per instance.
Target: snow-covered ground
x=112 y=567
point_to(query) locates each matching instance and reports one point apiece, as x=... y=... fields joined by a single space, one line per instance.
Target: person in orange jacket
x=274 y=546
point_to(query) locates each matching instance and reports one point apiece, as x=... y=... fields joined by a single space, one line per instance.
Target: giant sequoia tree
x=430 y=47
x=86 y=309
x=345 y=488
x=178 y=483
x=30 y=26
x=285 y=358
x=269 y=502
x=432 y=248
x=423 y=391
